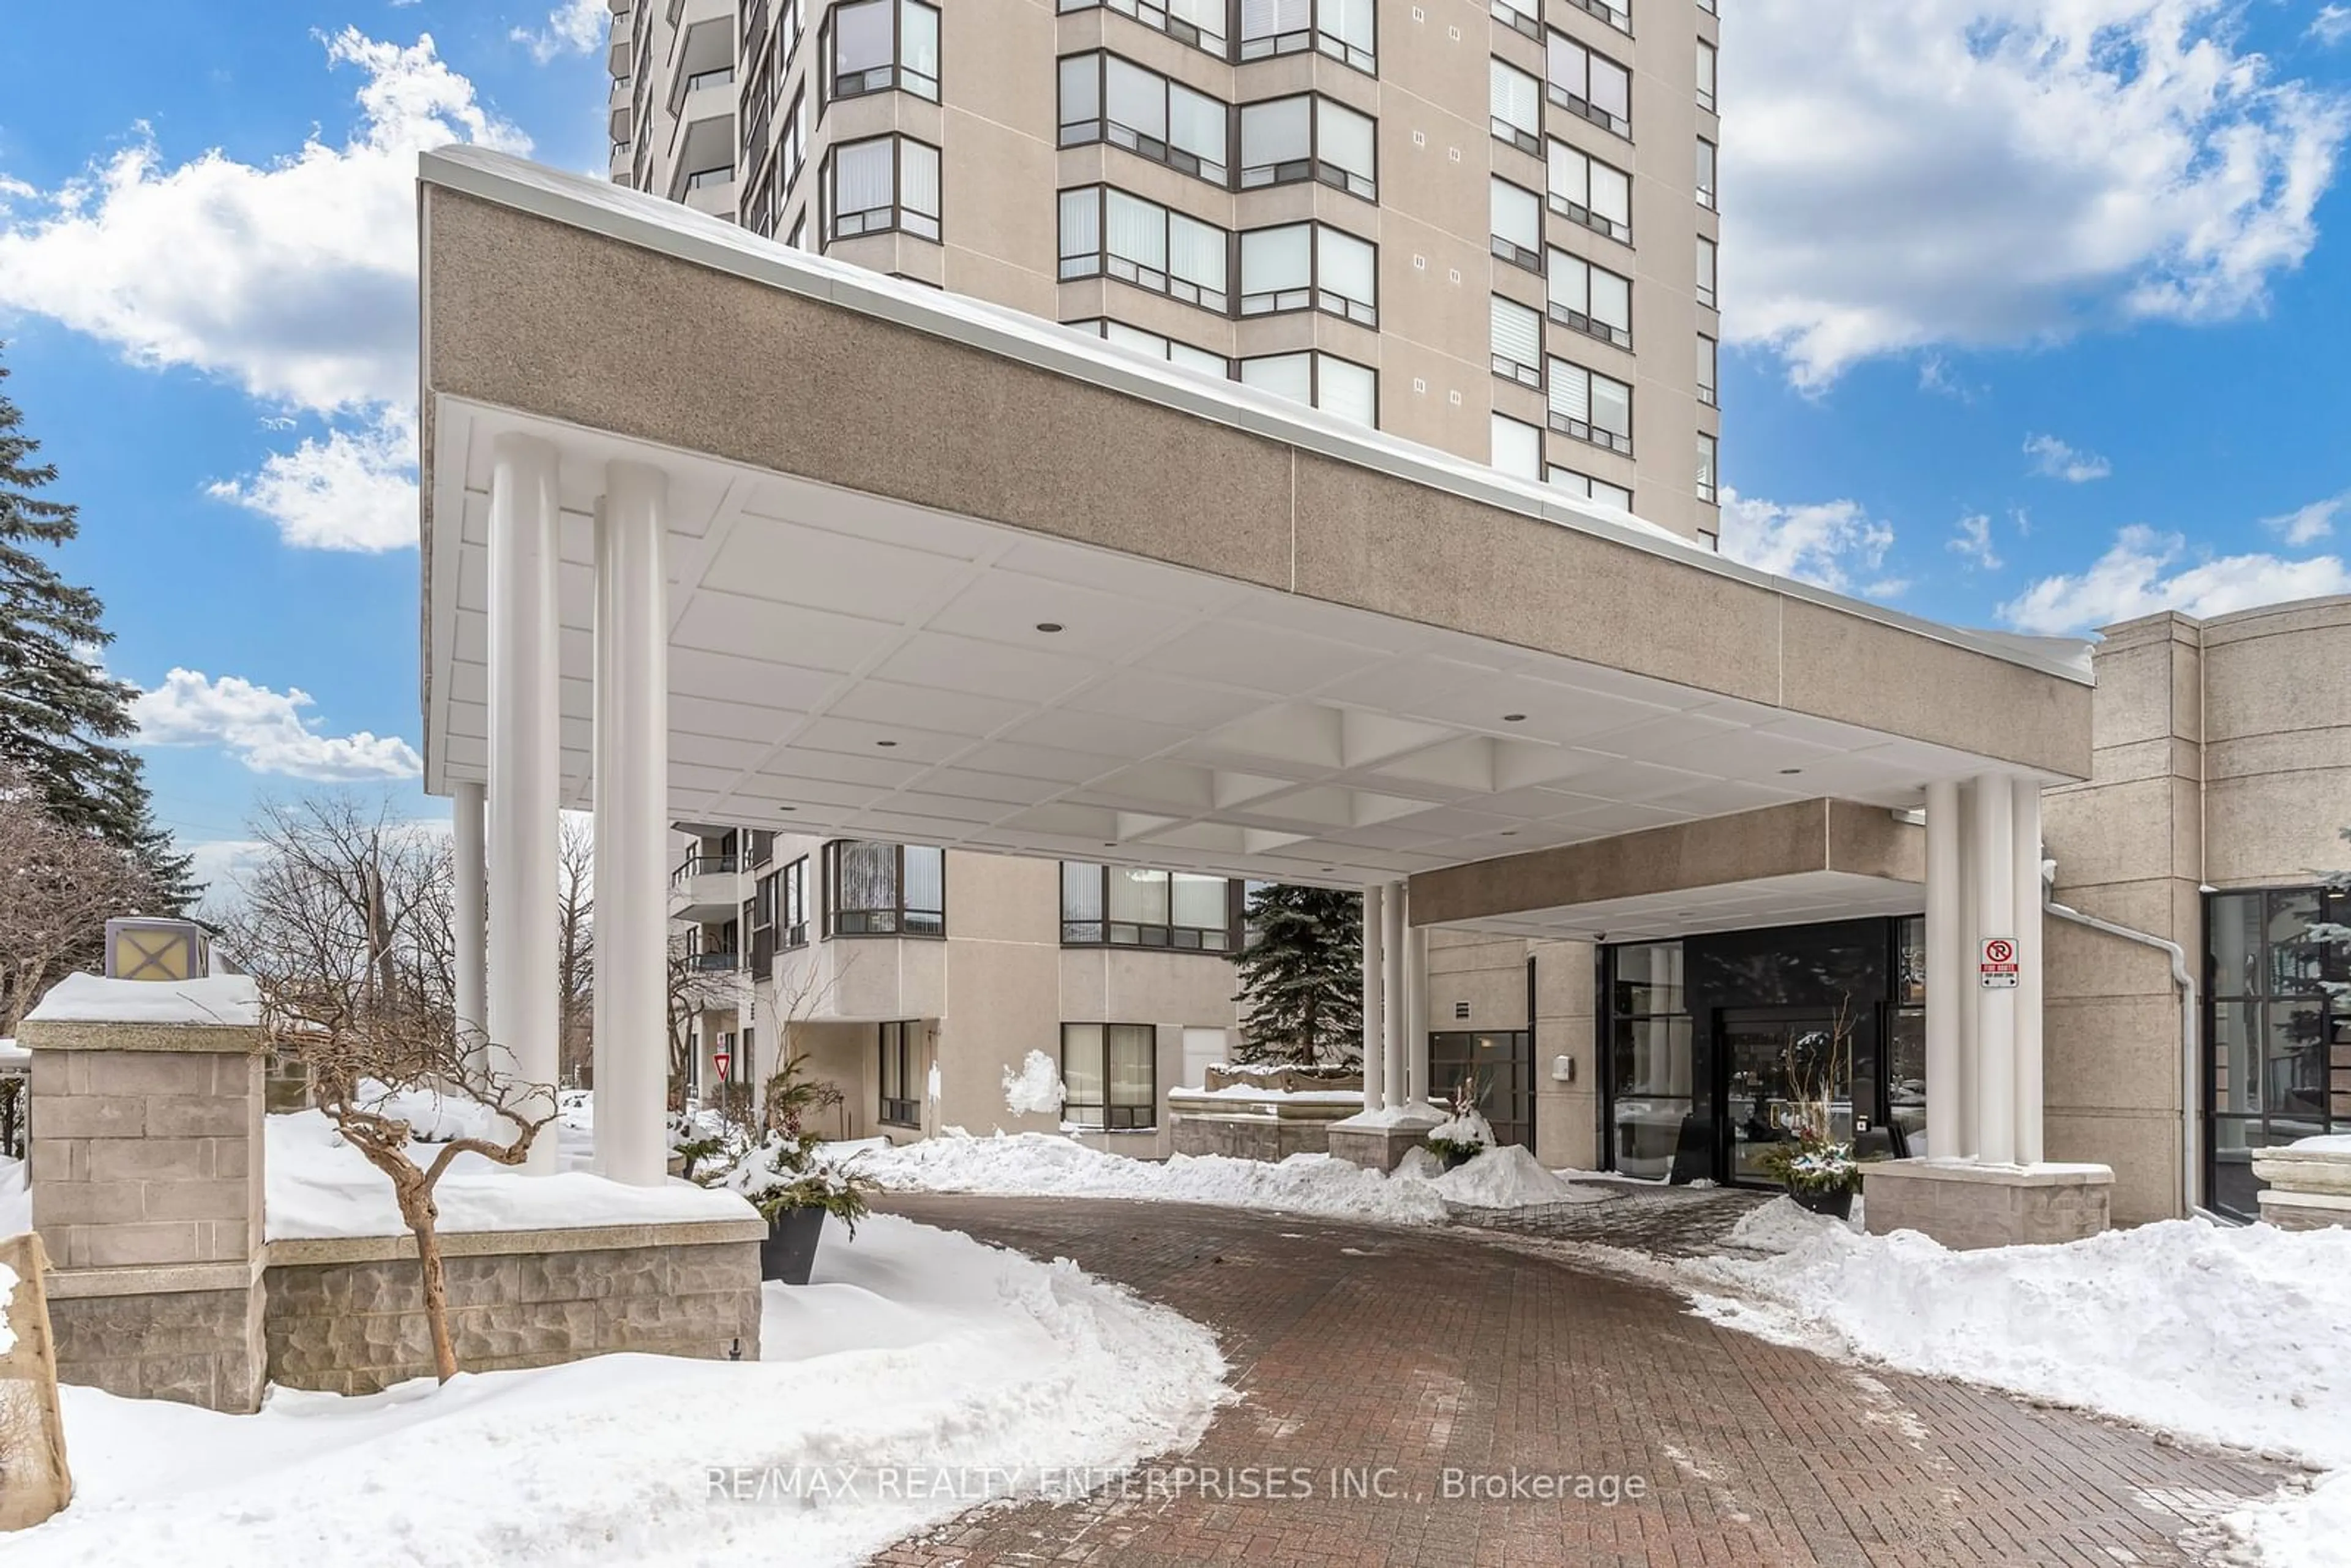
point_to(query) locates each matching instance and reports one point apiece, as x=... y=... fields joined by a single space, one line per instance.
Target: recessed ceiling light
x=1514 y=719
x=1049 y=627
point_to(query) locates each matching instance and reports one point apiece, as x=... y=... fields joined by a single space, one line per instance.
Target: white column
x=1374 y=994
x=1393 y=1016
x=470 y=912
x=633 y=824
x=1415 y=1014
x=525 y=767
x=1946 y=971
x=1964 y=1146
x=2027 y=809
x=1995 y=857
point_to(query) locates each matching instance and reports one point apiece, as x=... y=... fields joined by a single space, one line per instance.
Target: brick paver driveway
x=1419 y=1352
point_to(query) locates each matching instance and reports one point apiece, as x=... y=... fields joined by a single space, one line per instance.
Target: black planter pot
x=1456 y=1159
x=790 y=1251
x=1837 y=1205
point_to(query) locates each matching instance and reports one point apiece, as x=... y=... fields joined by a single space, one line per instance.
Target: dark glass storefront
x=1708 y=1036
x=1498 y=1065
x=2277 y=1035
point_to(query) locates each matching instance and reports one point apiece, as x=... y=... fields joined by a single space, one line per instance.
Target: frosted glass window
x=1277 y=267
x=1517 y=106
x=1348 y=267
x=1348 y=143
x=1284 y=375
x=1516 y=447
x=1517 y=219
x=1349 y=390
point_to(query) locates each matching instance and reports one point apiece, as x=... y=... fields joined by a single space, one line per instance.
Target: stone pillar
x=1946 y=971
x=470 y=912
x=524 y=767
x=632 y=827
x=1995 y=1046
x=147 y=1186
x=1391 y=996
x=2027 y=897
x=1374 y=925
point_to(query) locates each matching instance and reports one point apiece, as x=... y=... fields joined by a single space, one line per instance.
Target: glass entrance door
x=1499 y=1067
x=1782 y=1069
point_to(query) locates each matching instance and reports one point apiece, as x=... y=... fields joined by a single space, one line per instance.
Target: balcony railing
x=716 y=963
x=698 y=864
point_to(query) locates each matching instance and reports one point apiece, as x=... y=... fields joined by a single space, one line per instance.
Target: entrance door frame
x=1868 y=1046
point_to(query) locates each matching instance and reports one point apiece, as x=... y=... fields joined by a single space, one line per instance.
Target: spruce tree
x=1302 y=979
x=59 y=711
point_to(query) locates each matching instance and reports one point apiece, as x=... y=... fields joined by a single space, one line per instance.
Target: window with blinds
x=1173 y=350
x=883 y=184
x=1591 y=299
x=1516 y=107
x=1107 y=98
x=1517 y=343
x=1591 y=489
x=1301 y=267
x=1590 y=406
x=1516 y=223
x=1338 y=387
x=1110 y=1075
x=1589 y=84
x=1199 y=23
x=881 y=46
x=1105 y=232
x=1291 y=140
x=1597 y=195
x=1516 y=447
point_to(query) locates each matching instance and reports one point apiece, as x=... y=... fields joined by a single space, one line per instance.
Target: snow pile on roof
x=1035 y=1089
x=1042 y=1164
x=320 y=1187
x=917 y=1357
x=2158 y=1325
x=1507 y=1177
x=218 y=999
x=16 y=1196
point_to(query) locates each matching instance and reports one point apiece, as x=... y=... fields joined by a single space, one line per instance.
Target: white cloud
x=573 y=27
x=2129 y=580
x=2332 y=24
x=1832 y=543
x=294 y=280
x=1997 y=171
x=354 y=490
x=2308 y=525
x=2054 y=459
x=1974 y=541
x=264 y=730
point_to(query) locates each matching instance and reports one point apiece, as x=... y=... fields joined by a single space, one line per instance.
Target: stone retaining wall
x=347 y=1316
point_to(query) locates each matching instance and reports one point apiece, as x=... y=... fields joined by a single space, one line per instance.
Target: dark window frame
x=1364 y=313
x=1509 y=132
x=841 y=921
x=1708 y=192
x=898 y=212
x=893 y=77
x=1116 y=1116
x=1708 y=489
x=1104 y=930
x=1582 y=322
x=1505 y=248
x=894 y=1045
x=1314 y=376
x=1581 y=104
x=1313 y=36
x=1160 y=19
x=1101 y=127
x=2258 y=994
x=1100 y=326
x=1101 y=261
x=1513 y=370
x=1315 y=167
x=1598 y=222
x=1705 y=288
x=1584 y=429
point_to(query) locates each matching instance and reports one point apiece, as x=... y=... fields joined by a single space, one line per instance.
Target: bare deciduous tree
x=575 y=951
x=59 y=887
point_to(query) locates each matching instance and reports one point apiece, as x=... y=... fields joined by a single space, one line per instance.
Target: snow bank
x=317 y=1186
x=1039 y=1164
x=1035 y=1089
x=1507 y=1178
x=94 y=998
x=915 y=1349
x=16 y=1197
x=1783 y=1225
x=1470 y=1127
x=2297 y=1529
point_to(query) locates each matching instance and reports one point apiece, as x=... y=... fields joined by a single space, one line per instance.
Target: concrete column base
x=1964 y=1204
x=191 y=1334
x=1379 y=1140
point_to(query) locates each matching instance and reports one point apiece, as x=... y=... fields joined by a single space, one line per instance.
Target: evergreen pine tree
x=1302 y=980
x=58 y=710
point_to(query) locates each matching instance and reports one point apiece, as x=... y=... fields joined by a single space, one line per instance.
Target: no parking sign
x=1998 y=969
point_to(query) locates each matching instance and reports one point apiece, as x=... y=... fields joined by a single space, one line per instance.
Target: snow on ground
x=16 y=1196
x=317 y=1186
x=916 y=1352
x=1507 y=1178
x=2228 y=1335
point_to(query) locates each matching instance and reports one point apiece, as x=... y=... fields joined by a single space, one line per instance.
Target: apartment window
x=1517 y=343
x=881 y=46
x=884 y=890
x=1706 y=491
x=1199 y=23
x=1522 y=14
x=1107 y=233
x=1516 y=223
x=792 y=152
x=1588 y=83
x=789 y=896
x=1705 y=74
x=1596 y=194
x=797 y=238
x=1126 y=906
x=1110 y=1071
x=1705 y=368
x=1303 y=267
x=1591 y=299
x=1705 y=271
x=882 y=184
x=1591 y=489
x=1706 y=174
x=788 y=36
x=1516 y=107
x=1340 y=387
x=1609 y=11
x=1106 y=98
x=1344 y=29
x=1516 y=447
x=1286 y=139
x=1173 y=350
x=1591 y=406
x=901 y=1103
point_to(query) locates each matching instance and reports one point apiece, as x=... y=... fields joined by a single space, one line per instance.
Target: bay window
x=1596 y=194
x=1517 y=449
x=1591 y=299
x=1588 y=83
x=1309 y=266
x=1199 y=23
x=1516 y=224
x=1107 y=98
x=1517 y=343
x=1338 y=387
x=1110 y=1075
x=1343 y=29
x=1107 y=233
x=1287 y=140
x=1591 y=489
x=1516 y=103
x=881 y=183
x=1127 y=906
x=884 y=890
x=1590 y=406
x=1173 y=350
x=881 y=46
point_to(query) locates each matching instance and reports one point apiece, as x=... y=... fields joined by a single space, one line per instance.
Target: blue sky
x=2034 y=309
